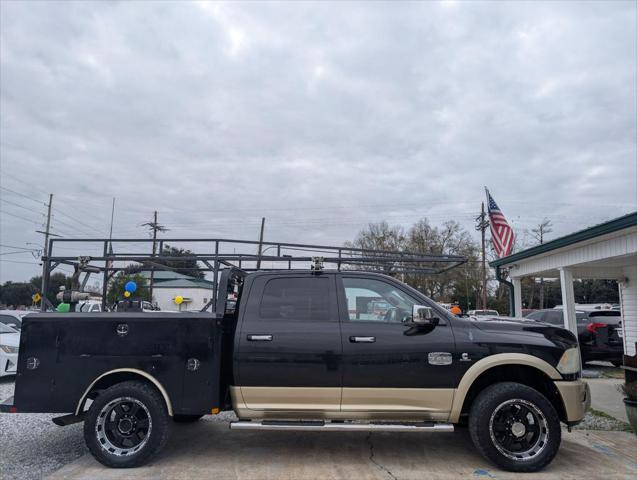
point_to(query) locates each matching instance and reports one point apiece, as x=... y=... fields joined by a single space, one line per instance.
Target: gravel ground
x=595 y=420
x=31 y=446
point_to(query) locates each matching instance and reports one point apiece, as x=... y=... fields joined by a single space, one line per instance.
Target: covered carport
x=604 y=251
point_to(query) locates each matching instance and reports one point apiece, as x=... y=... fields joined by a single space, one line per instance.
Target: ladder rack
x=109 y=256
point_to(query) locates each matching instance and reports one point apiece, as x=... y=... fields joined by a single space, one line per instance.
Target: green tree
x=56 y=280
x=184 y=266
x=116 y=287
x=16 y=294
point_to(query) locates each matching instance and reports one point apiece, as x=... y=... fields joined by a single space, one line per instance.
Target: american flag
x=501 y=232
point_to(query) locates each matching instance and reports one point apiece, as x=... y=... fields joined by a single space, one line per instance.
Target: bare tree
x=379 y=236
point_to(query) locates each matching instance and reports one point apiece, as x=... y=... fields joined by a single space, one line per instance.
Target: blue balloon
x=131 y=286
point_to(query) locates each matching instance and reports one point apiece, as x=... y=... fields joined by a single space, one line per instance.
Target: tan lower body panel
x=434 y=400
x=291 y=398
x=356 y=404
x=576 y=397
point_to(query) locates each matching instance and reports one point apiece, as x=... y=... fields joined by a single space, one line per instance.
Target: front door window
x=376 y=301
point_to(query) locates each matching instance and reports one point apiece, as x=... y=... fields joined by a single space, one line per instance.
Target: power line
x=74 y=227
x=56 y=209
x=28 y=184
x=23 y=195
x=17 y=248
x=18 y=216
x=77 y=220
x=19 y=206
x=18 y=261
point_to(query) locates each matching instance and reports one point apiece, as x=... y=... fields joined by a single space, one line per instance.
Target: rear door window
x=537 y=316
x=304 y=299
x=554 y=317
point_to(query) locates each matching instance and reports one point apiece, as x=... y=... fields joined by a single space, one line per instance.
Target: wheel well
x=526 y=375
x=110 y=379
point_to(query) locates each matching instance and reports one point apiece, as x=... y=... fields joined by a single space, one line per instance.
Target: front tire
x=515 y=427
x=126 y=425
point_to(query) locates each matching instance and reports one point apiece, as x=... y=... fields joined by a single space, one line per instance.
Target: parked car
x=483 y=313
x=296 y=355
x=13 y=318
x=9 y=343
x=89 y=306
x=598 y=331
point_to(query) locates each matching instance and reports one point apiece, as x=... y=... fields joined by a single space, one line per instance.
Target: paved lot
x=209 y=450
x=606 y=396
x=31 y=447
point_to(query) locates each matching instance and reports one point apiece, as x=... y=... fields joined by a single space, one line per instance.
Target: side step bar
x=342 y=426
x=69 y=419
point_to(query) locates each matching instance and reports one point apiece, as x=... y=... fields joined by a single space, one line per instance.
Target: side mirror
x=424 y=316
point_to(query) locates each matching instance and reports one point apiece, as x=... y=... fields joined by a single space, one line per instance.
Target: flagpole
x=484 y=260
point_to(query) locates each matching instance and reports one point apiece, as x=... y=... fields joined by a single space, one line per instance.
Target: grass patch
x=617 y=373
x=620 y=424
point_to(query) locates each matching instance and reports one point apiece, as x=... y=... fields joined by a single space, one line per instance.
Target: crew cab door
x=288 y=349
x=389 y=366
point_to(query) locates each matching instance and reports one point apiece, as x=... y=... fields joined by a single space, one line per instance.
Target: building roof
x=620 y=223
x=185 y=283
x=170 y=279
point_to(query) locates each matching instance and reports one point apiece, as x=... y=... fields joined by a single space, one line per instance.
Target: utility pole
x=542 y=229
x=260 y=243
x=46 y=253
x=154 y=227
x=110 y=233
x=482 y=224
x=108 y=263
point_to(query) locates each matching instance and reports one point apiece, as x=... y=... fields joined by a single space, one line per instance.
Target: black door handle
x=259 y=338
x=362 y=339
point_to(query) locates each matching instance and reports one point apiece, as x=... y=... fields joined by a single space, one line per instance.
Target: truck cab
x=307 y=350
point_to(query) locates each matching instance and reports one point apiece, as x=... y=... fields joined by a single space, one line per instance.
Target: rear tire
x=186 y=418
x=515 y=427
x=126 y=425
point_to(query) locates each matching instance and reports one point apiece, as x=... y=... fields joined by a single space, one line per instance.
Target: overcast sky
x=321 y=117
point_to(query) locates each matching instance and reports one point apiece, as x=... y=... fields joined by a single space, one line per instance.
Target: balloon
x=179 y=299
x=127 y=294
x=130 y=286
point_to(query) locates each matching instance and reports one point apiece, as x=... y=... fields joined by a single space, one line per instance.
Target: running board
x=342 y=426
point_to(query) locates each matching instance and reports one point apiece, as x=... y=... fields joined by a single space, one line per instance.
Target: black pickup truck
x=302 y=350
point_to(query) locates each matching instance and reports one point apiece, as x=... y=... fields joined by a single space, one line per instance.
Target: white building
x=605 y=251
x=168 y=285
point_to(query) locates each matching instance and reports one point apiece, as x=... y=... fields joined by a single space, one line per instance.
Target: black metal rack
x=215 y=254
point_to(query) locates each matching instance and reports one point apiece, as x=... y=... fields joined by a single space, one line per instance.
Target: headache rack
x=106 y=257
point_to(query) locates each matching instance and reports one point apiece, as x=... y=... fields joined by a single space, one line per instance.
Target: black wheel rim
x=518 y=429
x=123 y=426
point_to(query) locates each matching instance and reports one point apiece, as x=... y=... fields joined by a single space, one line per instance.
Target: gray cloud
x=320 y=116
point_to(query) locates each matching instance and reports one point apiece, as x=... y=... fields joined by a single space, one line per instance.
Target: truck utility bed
x=61 y=356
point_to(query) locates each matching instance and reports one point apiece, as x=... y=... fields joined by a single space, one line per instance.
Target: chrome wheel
x=123 y=426
x=518 y=429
